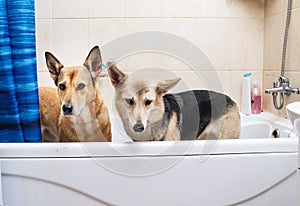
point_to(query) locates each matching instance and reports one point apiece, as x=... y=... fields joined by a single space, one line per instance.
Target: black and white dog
x=149 y=113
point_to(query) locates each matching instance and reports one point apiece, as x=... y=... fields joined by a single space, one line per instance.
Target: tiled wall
x=229 y=32
x=275 y=18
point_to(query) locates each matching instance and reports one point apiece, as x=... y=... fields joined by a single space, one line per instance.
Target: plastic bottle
x=255 y=98
x=246 y=95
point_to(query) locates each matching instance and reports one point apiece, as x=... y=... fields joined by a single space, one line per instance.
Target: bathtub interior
x=264 y=125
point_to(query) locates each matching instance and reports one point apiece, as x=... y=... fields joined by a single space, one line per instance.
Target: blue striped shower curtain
x=19 y=109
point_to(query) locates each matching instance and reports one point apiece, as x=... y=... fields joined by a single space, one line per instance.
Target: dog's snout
x=138 y=127
x=67 y=109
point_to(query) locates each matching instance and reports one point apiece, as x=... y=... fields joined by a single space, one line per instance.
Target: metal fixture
x=284 y=83
x=281 y=87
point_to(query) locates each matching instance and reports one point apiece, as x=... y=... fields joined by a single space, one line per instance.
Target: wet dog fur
x=149 y=113
x=74 y=111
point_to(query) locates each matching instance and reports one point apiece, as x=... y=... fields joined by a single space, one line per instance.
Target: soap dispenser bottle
x=255 y=98
x=246 y=94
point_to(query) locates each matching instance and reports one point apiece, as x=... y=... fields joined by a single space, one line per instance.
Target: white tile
x=248 y=8
x=213 y=38
x=43 y=42
x=70 y=9
x=43 y=9
x=247 y=44
x=142 y=60
x=45 y=80
x=106 y=92
x=212 y=80
x=142 y=8
x=183 y=27
x=225 y=78
x=105 y=8
x=125 y=47
x=141 y=24
x=174 y=62
x=216 y=8
x=179 y=8
x=70 y=41
x=103 y=31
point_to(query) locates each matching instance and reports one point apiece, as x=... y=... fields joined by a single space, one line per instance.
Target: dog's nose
x=139 y=127
x=67 y=108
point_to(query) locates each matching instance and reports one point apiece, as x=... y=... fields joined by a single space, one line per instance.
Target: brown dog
x=75 y=110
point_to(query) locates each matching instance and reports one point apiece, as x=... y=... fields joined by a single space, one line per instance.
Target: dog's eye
x=130 y=101
x=62 y=86
x=148 y=102
x=80 y=86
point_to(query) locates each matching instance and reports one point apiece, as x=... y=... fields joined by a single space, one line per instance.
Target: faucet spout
x=274 y=90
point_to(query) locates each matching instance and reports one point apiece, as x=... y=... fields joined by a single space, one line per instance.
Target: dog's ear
x=117 y=77
x=166 y=85
x=54 y=66
x=93 y=62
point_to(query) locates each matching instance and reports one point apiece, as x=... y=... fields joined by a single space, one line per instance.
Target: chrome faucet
x=284 y=86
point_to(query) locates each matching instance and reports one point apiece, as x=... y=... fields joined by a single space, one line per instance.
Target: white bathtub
x=247 y=171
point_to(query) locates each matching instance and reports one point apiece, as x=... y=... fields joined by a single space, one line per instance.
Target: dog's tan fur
x=76 y=86
x=129 y=88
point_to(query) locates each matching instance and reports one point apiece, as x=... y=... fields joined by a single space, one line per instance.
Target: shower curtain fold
x=19 y=115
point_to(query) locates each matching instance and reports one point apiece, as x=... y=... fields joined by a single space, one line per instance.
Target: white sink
x=293 y=111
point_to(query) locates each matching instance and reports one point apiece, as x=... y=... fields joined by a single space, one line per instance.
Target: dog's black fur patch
x=195 y=109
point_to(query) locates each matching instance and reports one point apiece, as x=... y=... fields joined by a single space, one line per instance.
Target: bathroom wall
x=275 y=18
x=229 y=32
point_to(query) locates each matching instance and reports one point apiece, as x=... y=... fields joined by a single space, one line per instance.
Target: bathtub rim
x=141 y=149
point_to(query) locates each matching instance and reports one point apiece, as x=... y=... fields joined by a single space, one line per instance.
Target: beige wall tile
x=273 y=40
x=213 y=38
x=295 y=4
x=273 y=7
x=216 y=8
x=104 y=8
x=293 y=45
x=233 y=45
x=183 y=27
x=247 y=44
x=248 y=8
x=142 y=8
x=179 y=8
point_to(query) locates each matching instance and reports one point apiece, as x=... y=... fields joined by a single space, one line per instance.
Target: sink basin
x=293 y=111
